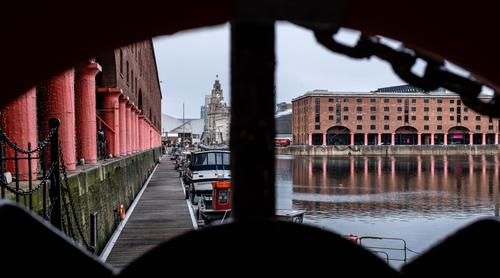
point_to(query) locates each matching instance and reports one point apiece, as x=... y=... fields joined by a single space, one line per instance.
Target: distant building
x=283 y=118
x=178 y=130
x=217 y=117
x=204 y=113
x=401 y=115
x=283 y=106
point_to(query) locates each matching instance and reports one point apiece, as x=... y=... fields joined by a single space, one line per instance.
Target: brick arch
x=338 y=135
x=406 y=130
x=338 y=129
x=458 y=135
x=406 y=135
x=458 y=130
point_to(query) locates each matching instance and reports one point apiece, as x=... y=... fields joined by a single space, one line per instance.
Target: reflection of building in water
x=383 y=185
x=284 y=193
x=401 y=115
x=217 y=117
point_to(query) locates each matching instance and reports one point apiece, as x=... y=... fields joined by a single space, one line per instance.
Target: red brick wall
x=142 y=77
x=304 y=120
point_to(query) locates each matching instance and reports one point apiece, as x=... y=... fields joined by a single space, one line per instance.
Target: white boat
x=290 y=215
x=205 y=168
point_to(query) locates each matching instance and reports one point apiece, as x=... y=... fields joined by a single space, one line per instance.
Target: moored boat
x=205 y=168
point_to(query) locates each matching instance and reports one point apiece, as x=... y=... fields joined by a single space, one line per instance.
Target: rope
x=224 y=217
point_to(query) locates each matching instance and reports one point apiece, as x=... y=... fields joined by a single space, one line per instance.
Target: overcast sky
x=188 y=63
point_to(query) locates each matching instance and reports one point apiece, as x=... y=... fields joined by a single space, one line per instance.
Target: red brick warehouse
x=400 y=115
x=117 y=92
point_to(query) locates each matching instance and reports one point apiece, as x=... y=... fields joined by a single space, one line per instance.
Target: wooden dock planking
x=161 y=214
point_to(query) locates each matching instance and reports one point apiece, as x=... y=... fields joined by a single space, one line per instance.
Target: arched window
x=140 y=99
x=121 y=62
x=128 y=77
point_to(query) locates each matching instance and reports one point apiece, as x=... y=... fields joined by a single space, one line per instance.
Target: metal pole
x=183 y=125
x=252 y=117
x=55 y=177
x=2 y=169
x=16 y=167
x=30 y=179
x=93 y=231
x=44 y=186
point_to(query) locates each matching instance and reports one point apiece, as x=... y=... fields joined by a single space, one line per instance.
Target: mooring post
x=93 y=232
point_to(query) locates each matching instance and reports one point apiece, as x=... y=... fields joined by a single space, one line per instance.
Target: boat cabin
x=206 y=167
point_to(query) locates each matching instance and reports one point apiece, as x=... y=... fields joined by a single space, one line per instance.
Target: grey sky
x=189 y=61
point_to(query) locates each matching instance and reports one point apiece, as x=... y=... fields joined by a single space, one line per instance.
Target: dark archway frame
x=71 y=34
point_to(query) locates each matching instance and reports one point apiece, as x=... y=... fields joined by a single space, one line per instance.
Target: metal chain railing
x=60 y=198
x=41 y=145
x=402 y=61
x=29 y=157
x=66 y=192
x=48 y=212
x=34 y=189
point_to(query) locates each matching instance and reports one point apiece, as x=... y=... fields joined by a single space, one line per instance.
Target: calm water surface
x=421 y=199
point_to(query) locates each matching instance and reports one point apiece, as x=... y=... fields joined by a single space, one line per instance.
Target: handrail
x=379 y=248
x=100 y=120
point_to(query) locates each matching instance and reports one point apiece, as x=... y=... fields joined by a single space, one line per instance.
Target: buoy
x=121 y=211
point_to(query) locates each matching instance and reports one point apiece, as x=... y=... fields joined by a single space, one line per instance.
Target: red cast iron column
x=138 y=124
x=132 y=125
x=86 y=121
x=141 y=132
x=112 y=114
x=21 y=128
x=123 y=125
x=137 y=131
x=129 y=127
x=61 y=105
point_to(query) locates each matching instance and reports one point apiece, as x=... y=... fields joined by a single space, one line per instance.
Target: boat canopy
x=211 y=160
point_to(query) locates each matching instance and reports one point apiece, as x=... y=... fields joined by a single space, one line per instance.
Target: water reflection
x=419 y=198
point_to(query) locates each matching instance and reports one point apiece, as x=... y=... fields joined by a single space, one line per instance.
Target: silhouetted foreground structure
x=252 y=130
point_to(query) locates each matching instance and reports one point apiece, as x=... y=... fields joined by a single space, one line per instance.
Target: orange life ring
x=121 y=211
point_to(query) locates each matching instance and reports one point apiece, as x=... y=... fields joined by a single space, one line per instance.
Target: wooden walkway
x=161 y=214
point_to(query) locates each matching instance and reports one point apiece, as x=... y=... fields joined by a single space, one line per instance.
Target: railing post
x=30 y=178
x=252 y=116
x=93 y=231
x=55 y=177
x=42 y=154
x=2 y=168
x=16 y=170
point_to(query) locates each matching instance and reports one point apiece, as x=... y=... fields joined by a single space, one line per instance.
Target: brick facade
x=336 y=118
x=133 y=69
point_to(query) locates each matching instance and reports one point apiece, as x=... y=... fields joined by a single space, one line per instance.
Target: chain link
x=34 y=189
x=402 y=61
x=41 y=145
x=66 y=189
x=49 y=210
x=67 y=225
